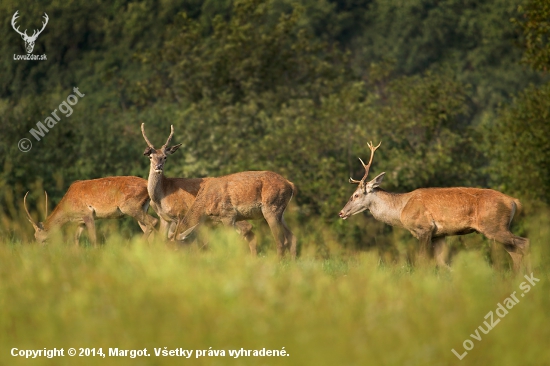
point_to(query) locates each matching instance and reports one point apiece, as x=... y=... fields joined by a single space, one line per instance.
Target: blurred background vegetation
x=456 y=90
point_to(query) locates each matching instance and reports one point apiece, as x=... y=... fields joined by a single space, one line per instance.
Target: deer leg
x=245 y=229
x=516 y=246
x=148 y=227
x=146 y=222
x=164 y=228
x=440 y=253
x=277 y=229
x=518 y=251
x=425 y=239
x=77 y=234
x=421 y=226
x=90 y=225
x=190 y=221
x=290 y=239
x=173 y=226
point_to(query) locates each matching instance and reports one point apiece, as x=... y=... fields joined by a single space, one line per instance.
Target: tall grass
x=331 y=308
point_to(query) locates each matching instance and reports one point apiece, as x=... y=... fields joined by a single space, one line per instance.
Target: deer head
x=158 y=156
x=40 y=233
x=29 y=40
x=361 y=198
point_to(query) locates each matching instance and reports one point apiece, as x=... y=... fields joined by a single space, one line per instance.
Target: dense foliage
x=297 y=87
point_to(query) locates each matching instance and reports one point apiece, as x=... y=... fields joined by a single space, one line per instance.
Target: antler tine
x=169 y=137
x=43 y=24
x=46 y=210
x=29 y=217
x=372 y=150
x=351 y=180
x=15 y=16
x=145 y=137
x=367 y=166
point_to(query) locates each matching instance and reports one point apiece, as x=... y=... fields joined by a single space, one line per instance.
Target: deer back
x=458 y=209
x=102 y=195
x=242 y=195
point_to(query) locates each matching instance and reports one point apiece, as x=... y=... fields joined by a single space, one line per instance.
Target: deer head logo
x=29 y=40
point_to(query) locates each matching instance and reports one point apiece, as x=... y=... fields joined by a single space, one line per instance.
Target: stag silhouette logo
x=29 y=40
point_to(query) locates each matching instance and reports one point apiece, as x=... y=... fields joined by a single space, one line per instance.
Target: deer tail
x=294 y=189
x=516 y=208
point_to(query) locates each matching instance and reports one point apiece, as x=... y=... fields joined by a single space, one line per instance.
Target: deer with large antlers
x=228 y=200
x=431 y=214
x=171 y=198
x=103 y=198
x=29 y=40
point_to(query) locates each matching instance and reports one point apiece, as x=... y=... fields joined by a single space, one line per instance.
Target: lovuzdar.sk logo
x=29 y=40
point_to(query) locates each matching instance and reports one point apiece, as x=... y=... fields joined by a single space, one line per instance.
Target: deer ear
x=375 y=183
x=172 y=149
x=148 y=151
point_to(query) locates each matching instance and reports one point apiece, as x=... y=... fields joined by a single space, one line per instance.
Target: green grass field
x=347 y=308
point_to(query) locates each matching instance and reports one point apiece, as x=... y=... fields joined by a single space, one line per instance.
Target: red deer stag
x=431 y=214
x=103 y=198
x=171 y=198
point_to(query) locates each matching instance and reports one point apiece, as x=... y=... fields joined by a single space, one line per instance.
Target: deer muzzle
x=343 y=215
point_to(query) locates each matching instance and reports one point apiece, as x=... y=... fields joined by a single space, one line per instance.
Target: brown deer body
x=171 y=198
x=431 y=214
x=244 y=196
x=103 y=198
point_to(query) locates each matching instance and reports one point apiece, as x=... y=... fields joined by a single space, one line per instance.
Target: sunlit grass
x=340 y=308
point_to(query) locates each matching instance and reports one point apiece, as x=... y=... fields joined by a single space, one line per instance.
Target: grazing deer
x=171 y=198
x=431 y=214
x=244 y=196
x=103 y=198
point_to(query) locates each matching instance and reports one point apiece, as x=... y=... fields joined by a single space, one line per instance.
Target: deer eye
x=356 y=195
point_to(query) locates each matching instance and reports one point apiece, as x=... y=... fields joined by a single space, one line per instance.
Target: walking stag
x=431 y=214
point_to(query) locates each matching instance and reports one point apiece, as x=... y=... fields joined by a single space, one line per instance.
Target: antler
x=366 y=166
x=15 y=16
x=34 y=36
x=145 y=137
x=28 y=214
x=169 y=137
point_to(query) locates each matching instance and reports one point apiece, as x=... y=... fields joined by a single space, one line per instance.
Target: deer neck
x=387 y=207
x=155 y=185
x=57 y=218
